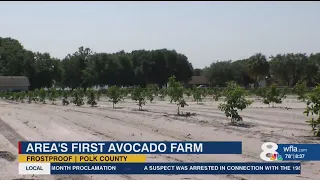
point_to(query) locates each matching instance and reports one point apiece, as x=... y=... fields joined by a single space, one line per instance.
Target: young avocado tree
x=36 y=94
x=151 y=91
x=139 y=94
x=65 y=95
x=272 y=95
x=284 y=92
x=91 y=94
x=162 y=93
x=204 y=92
x=301 y=89
x=43 y=95
x=262 y=92
x=53 y=95
x=15 y=96
x=30 y=96
x=188 y=92
x=197 y=95
x=235 y=100
x=22 y=96
x=176 y=93
x=78 y=95
x=313 y=109
x=8 y=95
x=216 y=93
x=114 y=94
x=124 y=93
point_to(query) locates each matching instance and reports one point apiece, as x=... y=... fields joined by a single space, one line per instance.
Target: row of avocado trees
x=235 y=97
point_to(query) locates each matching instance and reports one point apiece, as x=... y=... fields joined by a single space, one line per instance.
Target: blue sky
x=204 y=31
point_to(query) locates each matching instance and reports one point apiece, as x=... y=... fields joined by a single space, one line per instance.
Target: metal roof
x=8 y=81
x=198 y=80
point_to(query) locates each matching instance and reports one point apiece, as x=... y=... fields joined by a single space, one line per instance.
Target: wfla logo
x=269 y=152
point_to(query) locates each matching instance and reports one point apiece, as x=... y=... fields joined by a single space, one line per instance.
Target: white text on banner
x=34 y=168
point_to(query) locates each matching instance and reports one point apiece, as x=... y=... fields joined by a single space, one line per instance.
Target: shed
x=14 y=83
x=198 y=80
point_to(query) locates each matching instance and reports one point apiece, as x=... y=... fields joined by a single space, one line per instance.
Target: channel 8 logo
x=269 y=152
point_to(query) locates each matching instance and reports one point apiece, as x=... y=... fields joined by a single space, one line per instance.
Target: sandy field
x=158 y=122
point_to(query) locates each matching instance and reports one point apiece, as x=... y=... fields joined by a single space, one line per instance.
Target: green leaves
x=175 y=91
x=301 y=90
x=114 y=94
x=216 y=93
x=272 y=95
x=235 y=100
x=151 y=91
x=78 y=96
x=53 y=94
x=139 y=94
x=313 y=108
x=197 y=95
x=92 y=96
x=162 y=93
x=42 y=94
x=258 y=67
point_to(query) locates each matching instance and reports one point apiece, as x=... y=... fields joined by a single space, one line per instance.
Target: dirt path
x=158 y=122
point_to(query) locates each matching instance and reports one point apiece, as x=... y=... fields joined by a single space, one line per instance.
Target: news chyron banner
x=130 y=158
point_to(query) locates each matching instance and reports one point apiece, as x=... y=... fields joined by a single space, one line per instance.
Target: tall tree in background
x=197 y=72
x=258 y=67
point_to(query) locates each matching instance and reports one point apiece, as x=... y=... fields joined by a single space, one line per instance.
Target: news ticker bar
x=159 y=168
x=131 y=147
x=72 y=158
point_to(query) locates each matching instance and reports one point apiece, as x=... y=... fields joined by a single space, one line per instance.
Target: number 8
x=267 y=150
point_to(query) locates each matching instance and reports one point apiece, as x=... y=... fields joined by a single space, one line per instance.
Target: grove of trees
x=84 y=68
x=284 y=69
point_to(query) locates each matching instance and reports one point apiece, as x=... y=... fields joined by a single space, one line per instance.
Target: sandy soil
x=22 y=121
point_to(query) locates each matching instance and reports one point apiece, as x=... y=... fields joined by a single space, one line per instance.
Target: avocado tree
x=65 y=95
x=176 y=92
x=139 y=94
x=98 y=94
x=284 y=92
x=78 y=96
x=197 y=95
x=301 y=89
x=273 y=95
x=313 y=109
x=151 y=91
x=114 y=94
x=216 y=93
x=22 y=96
x=261 y=91
x=235 y=100
x=30 y=95
x=36 y=94
x=53 y=95
x=188 y=92
x=43 y=95
x=92 y=97
x=162 y=93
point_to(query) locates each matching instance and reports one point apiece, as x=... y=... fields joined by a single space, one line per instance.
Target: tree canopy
x=84 y=68
x=284 y=69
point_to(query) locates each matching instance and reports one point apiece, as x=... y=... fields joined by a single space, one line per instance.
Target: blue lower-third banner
x=175 y=168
